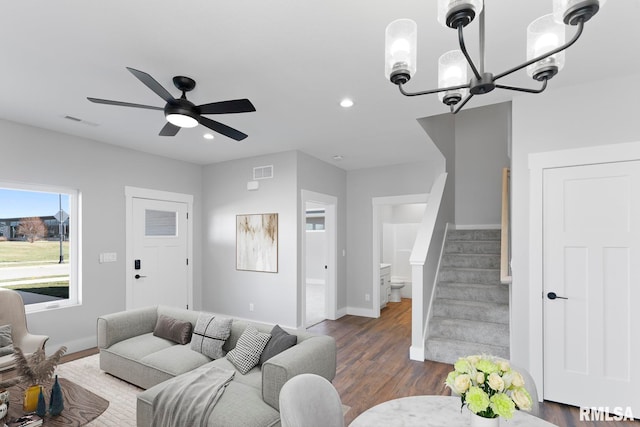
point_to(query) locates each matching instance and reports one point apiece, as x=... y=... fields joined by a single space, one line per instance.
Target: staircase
x=471 y=307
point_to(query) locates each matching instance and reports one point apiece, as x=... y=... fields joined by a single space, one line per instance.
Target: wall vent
x=263 y=172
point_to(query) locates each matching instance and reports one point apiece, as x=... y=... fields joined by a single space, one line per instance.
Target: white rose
x=503 y=365
x=461 y=383
x=517 y=380
x=480 y=378
x=496 y=382
x=522 y=399
x=473 y=359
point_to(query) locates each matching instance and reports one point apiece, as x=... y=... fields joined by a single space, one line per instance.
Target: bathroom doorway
x=396 y=221
x=318 y=290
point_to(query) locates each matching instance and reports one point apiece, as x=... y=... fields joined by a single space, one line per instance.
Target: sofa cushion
x=165 y=360
x=252 y=378
x=209 y=335
x=138 y=347
x=279 y=342
x=178 y=331
x=6 y=343
x=248 y=349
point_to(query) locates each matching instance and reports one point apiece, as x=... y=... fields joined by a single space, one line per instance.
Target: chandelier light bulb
x=568 y=11
x=452 y=71
x=543 y=35
x=454 y=12
x=400 y=50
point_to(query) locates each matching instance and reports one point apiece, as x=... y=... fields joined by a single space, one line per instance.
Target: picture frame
x=257 y=242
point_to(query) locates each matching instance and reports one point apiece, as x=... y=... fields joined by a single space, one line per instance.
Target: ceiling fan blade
x=123 y=104
x=226 y=107
x=169 y=130
x=223 y=129
x=152 y=84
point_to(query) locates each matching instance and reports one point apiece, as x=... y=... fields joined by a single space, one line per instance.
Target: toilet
x=396 y=287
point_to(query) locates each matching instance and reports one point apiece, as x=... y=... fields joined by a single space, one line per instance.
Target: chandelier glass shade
x=546 y=44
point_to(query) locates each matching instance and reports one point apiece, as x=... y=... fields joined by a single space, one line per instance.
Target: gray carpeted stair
x=471 y=307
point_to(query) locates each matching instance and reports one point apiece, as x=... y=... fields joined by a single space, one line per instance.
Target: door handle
x=552 y=295
x=137 y=276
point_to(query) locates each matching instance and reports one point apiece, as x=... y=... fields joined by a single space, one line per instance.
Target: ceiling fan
x=182 y=113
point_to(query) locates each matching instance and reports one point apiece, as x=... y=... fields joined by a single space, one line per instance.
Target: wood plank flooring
x=374 y=366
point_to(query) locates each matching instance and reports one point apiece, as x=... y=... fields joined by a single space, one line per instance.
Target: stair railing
x=505 y=233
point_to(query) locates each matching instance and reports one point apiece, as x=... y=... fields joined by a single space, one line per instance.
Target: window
x=315 y=220
x=39 y=245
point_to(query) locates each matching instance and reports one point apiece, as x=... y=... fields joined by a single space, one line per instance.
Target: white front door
x=160 y=253
x=591 y=247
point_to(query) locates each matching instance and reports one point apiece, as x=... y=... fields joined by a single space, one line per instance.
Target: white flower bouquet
x=488 y=386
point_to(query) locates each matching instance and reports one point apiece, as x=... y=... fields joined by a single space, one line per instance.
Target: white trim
x=538 y=162
x=145 y=193
x=476 y=227
x=331 y=232
x=362 y=312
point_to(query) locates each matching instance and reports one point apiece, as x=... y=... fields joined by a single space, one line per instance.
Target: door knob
x=552 y=295
x=137 y=276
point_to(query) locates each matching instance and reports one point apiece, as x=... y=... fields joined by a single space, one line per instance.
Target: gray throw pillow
x=6 y=350
x=210 y=334
x=279 y=342
x=178 y=331
x=248 y=349
x=6 y=342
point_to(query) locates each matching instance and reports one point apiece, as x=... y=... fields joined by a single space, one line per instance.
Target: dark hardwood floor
x=374 y=366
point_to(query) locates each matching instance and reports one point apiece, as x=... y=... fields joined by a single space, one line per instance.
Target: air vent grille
x=263 y=172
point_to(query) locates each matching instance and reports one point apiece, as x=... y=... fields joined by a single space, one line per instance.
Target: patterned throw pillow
x=210 y=334
x=248 y=349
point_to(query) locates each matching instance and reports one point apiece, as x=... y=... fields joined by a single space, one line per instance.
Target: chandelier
x=545 y=50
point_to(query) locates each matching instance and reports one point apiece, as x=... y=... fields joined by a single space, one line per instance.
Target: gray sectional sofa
x=129 y=350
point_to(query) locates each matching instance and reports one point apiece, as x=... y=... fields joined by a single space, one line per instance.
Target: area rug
x=120 y=394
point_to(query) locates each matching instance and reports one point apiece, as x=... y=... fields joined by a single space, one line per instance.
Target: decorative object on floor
x=257 y=242
x=182 y=113
x=41 y=409
x=488 y=387
x=56 y=401
x=545 y=50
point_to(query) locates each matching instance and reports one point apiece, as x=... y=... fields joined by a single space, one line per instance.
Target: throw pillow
x=178 y=331
x=279 y=342
x=210 y=334
x=6 y=343
x=248 y=349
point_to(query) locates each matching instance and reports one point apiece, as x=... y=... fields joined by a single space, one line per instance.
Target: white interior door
x=591 y=247
x=160 y=253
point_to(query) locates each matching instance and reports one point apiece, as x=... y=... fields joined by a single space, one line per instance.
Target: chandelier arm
x=463 y=48
x=524 y=89
x=575 y=38
x=462 y=104
x=427 y=92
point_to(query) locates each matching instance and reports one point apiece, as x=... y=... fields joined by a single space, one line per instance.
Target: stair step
x=491 y=261
x=471 y=310
x=473 y=292
x=466 y=247
x=470 y=331
x=473 y=235
x=470 y=275
x=448 y=350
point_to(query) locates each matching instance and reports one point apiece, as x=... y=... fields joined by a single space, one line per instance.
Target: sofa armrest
x=116 y=327
x=316 y=355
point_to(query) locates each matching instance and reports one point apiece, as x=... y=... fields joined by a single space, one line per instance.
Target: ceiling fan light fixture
x=182 y=120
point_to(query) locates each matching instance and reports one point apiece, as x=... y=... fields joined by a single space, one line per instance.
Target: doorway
x=158 y=256
x=319 y=260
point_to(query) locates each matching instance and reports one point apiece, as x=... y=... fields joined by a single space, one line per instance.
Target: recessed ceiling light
x=337 y=157
x=346 y=103
x=208 y=136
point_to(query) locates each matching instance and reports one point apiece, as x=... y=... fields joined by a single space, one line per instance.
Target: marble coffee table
x=432 y=411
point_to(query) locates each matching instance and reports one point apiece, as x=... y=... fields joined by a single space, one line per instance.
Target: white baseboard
x=363 y=312
x=416 y=353
x=476 y=227
x=73 y=346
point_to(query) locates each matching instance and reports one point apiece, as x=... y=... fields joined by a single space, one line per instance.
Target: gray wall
x=481 y=133
x=100 y=172
x=577 y=116
x=362 y=186
x=229 y=291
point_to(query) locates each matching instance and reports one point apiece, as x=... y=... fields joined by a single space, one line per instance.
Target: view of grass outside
x=38 y=253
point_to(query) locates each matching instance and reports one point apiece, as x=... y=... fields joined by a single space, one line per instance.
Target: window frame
x=75 y=243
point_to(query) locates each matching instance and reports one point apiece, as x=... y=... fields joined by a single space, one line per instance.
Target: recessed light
x=337 y=157
x=346 y=103
x=208 y=136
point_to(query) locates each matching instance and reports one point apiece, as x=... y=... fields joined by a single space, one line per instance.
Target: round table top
x=432 y=411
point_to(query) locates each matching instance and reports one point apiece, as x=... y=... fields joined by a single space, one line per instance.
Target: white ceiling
x=294 y=59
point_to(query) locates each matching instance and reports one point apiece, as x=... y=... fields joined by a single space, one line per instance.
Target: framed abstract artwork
x=257 y=242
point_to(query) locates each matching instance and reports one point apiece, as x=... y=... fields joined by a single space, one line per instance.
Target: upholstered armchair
x=310 y=400
x=12 y=314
